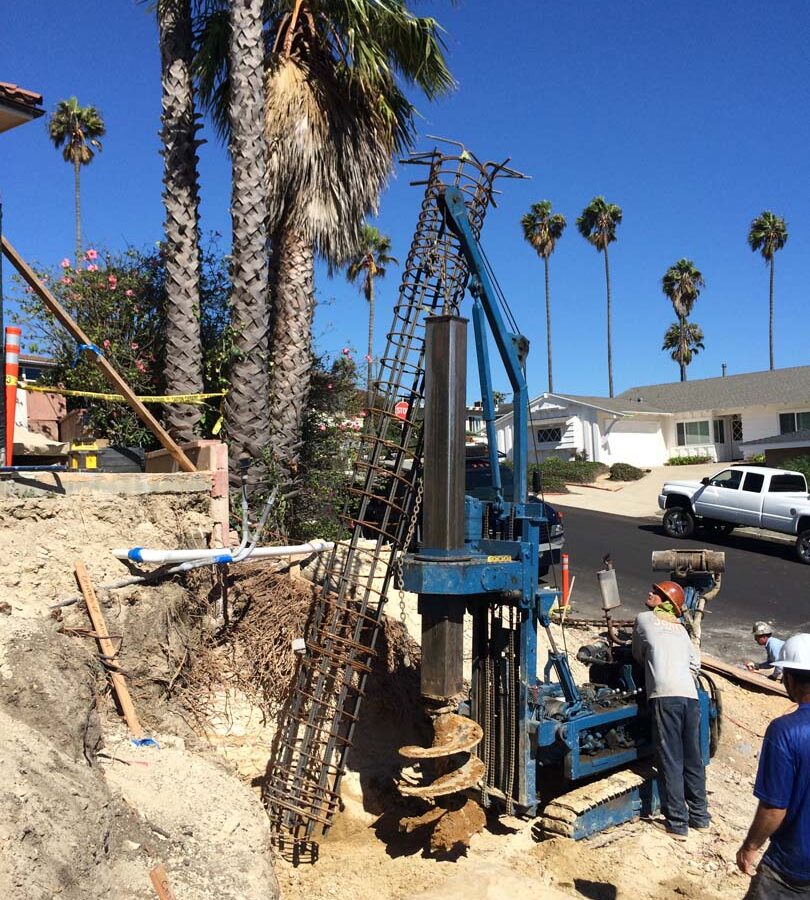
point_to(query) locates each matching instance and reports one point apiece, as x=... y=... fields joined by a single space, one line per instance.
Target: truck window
x=730 y=478
x=787 y=484
x=753 y=482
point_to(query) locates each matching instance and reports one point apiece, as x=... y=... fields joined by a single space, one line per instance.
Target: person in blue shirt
x=763 y=635
x=783 y=790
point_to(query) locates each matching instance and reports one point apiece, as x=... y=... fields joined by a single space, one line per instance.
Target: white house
x=647 y=425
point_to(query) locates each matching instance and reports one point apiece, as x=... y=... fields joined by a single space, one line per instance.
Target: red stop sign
x=401 y=409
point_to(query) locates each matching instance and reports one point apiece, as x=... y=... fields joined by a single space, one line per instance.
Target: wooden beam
x=112 y=376
x=737 y=673
x=106 y=646
x=160 y=882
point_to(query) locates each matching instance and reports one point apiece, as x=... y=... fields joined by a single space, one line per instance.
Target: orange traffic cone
x=12 y=373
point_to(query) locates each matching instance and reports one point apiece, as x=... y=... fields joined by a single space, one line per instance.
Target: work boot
x=661 y=825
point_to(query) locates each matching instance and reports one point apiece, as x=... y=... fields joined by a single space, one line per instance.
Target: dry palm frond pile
x=253 y=654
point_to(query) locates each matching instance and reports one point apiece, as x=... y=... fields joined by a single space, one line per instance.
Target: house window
x=736 y=429
x=693 y=433
x=793 y=421
x=551 y=434
x=719 y=431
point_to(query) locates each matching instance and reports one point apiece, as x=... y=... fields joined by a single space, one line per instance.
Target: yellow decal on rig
x=499 y=559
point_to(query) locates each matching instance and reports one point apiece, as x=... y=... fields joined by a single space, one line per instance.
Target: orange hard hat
x=670 y=590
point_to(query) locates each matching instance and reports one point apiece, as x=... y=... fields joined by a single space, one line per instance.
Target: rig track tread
x=560 y=815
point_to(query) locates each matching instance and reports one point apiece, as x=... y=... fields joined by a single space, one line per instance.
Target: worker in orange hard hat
x=671 y=662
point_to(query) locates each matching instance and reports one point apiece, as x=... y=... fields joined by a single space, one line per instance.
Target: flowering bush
x=118 y=300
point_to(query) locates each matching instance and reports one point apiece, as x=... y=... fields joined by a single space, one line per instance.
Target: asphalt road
x=763 y=580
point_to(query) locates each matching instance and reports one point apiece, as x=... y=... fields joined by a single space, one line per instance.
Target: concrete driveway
x=637 y=499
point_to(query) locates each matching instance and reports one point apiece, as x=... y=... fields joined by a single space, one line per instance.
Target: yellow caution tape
x=170 y=398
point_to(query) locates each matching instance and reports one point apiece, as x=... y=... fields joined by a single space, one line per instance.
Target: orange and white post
x=12 y=351
x=565 y=583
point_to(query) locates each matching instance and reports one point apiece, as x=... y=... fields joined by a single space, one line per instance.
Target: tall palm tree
x=597 y=225
x=542 y=229
x=246 y=410
x=682 y=283
x=371 y=260
x=684 y=340
x=335 y=115
x=768 y=233
x=183 y=362
x=77 y=130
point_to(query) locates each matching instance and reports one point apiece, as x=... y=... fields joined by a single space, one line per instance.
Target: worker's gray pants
x=768 y=884
x=681 y=773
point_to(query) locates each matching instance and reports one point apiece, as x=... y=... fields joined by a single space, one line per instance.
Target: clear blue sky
x=691 y=116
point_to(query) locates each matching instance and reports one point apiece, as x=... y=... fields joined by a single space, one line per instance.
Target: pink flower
x=328 y=387
x=91 y=255
x=67 y=280
x=93 y=268
x=65 y=264
x=140 y=366
x=106 y=345
x=346 y=352
x=134 y=346
x=322 y=427
x=367 y=358
x=129 y=293
x=113 y=282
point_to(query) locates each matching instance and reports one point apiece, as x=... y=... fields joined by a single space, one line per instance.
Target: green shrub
x=757 y=459
x=799 y=464
x=687 y=460
x=625 y=472
x=551 y=483
x=574 y=471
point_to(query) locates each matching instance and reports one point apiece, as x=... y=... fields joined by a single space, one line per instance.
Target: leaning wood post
x=109 y=372
x=106 y=646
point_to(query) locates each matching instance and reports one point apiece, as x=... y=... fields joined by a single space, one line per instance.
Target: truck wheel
x=679 y=522
x=803 y=546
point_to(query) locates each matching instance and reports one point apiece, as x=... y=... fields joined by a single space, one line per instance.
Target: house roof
x=788 y=386
x=623 y=406
x=792 y=437
x=18 y=105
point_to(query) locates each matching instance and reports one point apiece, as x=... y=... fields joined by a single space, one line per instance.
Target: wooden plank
x=160 y=882
x=109 y=372
x=736 y=673
x=107 y=648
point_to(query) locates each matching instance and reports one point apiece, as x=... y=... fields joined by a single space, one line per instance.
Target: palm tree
x=597 y=225
x=768 y=233
x=335 y=115
x=183 y=360
x=371 y=259
x=77 y=130
x=542 y=229
x=246 y=409
x=682 y=283
x=684 y=340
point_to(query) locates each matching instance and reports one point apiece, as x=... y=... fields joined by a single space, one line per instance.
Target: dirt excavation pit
x=85 y=813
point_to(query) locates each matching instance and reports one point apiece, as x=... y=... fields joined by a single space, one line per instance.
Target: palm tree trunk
x=246 y=407
x=548 y=329
x=770 y=331
x=609 y=326
x=291 y=342
x=682 y=347
x=370 y=360
x=183 y=361
x=78 y=205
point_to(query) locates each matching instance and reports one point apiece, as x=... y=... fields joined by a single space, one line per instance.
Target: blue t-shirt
x=783 y=781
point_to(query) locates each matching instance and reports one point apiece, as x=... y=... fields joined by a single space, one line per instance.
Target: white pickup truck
x=755 y=496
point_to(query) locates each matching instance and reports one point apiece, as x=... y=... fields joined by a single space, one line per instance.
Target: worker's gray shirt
x=669 y=658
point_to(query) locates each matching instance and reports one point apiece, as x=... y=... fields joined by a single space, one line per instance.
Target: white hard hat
x=796 y=653
x=761 y=628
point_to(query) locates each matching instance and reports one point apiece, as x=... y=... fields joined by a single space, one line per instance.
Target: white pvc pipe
x=143 y=555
